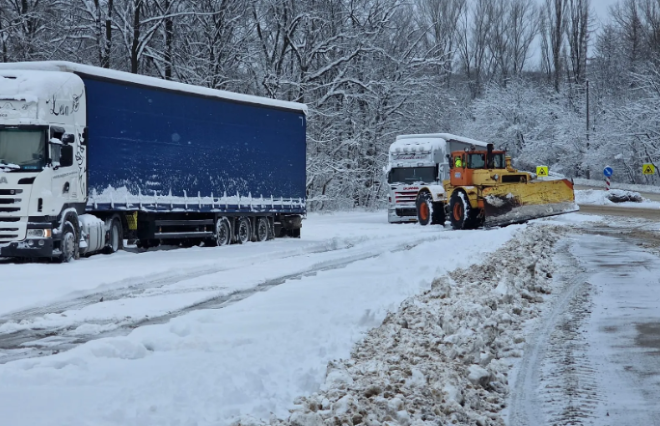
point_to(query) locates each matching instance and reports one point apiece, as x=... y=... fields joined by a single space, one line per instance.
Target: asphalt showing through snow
x=594 y=357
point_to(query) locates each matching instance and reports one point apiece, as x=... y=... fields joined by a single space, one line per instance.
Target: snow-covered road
x=290 y=306
x=140 y=339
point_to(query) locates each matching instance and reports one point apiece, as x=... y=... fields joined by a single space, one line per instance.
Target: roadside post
x=608 y=172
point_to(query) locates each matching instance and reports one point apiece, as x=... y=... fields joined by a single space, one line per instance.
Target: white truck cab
x=42 y=159
x=419 y=161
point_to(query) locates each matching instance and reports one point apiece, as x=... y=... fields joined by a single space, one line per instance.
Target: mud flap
x=520 y=202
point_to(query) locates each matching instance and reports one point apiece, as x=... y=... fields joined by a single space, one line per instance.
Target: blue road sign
x=608 y=171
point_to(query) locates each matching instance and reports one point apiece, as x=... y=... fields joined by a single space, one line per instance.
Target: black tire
x=223 y=234
x=429 y=212
x=243 y=230
x=462 y=215
x=424 y=206
x=69 y=245
x=460 y=210
x=115 y=237
x=262 y=229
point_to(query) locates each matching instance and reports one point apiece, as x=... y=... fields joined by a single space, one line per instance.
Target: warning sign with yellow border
x=648 y=169
x=542 y=171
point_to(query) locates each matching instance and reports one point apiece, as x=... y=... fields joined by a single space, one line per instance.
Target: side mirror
x=68 y=138
x=66 y=156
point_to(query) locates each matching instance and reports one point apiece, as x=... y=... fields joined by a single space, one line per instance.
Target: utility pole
x=588 y=127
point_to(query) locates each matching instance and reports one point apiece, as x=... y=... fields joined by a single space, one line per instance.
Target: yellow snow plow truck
x=483 y=189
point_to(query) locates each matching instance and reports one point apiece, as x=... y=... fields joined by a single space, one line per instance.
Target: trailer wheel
x=70 y=243
x=243 y=230
x=222 y=232
x=263 y=229
x=115 y=237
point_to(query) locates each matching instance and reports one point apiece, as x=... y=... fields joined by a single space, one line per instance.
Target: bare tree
x=577 y=33
x=439 y=20
x=521 y=30
x=473 y=42
x=553 y=29
x=626 y=16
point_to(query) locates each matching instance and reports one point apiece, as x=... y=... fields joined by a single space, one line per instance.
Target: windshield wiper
x=8 y=166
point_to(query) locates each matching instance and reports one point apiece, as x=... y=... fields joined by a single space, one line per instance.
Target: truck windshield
x=22 y=149
x=412 y=175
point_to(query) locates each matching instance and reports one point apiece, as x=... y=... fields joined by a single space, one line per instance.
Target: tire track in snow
x=568 y=387
x=130 y=288
x=33 y=342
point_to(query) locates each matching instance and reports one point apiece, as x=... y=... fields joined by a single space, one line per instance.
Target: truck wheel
x=70 y=243
x=222 y=232
x=424 y=206
x=460 y=210
x=243 y=230
x=115 y=240
x=263 y=229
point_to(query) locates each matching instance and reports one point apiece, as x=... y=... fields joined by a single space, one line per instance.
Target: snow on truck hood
x=70 y=67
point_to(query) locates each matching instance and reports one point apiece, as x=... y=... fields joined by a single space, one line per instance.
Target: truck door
x=458 y=173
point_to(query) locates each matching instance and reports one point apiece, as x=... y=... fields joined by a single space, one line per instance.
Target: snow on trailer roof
x=144 y=80
x=403 y=140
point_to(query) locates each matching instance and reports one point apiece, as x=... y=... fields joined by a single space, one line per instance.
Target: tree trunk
x=136 y=36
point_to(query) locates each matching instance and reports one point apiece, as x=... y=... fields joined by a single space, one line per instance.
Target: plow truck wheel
x=424 y=208
x=460 y=211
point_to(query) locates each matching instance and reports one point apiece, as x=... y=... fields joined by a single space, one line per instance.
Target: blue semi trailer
x=90 y=156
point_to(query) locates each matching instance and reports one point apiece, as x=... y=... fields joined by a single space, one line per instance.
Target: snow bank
x=443 y=357
x=617 y=185
x=601 y=197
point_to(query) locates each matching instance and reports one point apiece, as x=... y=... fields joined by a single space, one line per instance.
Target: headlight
x=39 y=233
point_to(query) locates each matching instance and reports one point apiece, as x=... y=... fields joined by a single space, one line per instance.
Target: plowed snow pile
x=443 y=358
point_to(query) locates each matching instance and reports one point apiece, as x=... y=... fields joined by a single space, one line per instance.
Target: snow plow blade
x=519 y=202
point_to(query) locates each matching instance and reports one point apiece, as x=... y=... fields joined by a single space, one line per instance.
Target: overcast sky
x=601 y=7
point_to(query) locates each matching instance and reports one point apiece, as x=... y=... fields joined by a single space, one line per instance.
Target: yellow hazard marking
x=648 y=169
x=542 y=171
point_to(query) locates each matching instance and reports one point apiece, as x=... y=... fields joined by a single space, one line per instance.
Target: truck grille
x=8 y=200
x=405 y=196
x=11 y=231
x=10 y=191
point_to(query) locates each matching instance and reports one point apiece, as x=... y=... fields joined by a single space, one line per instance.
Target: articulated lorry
x=90 y=156
x=416 y=162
